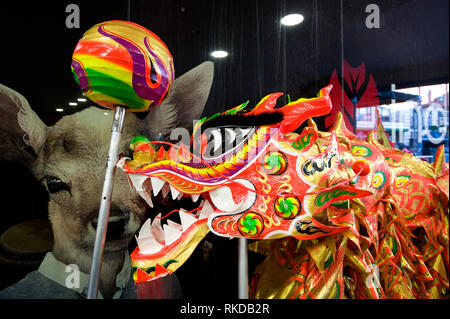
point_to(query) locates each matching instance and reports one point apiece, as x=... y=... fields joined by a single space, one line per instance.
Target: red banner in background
x=358 y=90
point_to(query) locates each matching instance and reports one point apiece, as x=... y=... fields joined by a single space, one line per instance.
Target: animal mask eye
x=55 y=184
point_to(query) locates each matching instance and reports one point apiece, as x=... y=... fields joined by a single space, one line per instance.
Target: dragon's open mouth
x=178 y=215
x=169 y=238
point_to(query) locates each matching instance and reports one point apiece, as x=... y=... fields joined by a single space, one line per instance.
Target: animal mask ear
x=184 y=104
x=22 y=133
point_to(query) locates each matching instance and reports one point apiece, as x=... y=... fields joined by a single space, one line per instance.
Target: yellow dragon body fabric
x=395 y=248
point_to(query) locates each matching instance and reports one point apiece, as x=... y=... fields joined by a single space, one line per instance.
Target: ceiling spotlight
x=81 y=100
x=59 y=110
x=219 y=54
x=292 y=19
x=73 y=104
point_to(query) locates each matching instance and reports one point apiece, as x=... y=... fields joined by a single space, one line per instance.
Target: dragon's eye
x=55 y=184
x=224 y=139
x=241 y=134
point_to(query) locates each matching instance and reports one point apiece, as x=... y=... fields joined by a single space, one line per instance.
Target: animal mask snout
x=117 y=224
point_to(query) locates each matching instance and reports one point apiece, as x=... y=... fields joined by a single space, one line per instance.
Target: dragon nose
x=361 y=167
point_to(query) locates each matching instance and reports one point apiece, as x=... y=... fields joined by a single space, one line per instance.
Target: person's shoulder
x=37 y=286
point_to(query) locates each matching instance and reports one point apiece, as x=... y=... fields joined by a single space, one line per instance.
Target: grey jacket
x=56 y=280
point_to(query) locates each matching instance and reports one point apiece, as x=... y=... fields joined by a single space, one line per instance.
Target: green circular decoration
x=402 y=180
x=287 y=207
x=361 y=150
x=274 y=163
x=379 y=179
x=250 y=224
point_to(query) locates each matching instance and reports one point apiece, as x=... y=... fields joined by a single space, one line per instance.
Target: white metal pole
x=105 y=202
x=242 y=269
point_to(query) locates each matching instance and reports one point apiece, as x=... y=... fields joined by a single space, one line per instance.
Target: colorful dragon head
x=270 y=183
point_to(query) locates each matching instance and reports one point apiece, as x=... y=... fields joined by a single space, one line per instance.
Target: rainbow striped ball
x=122 y=63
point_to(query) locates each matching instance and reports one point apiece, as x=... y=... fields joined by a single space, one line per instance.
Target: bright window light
x=292 y=19
x=219 y=54
x=73 y=104
x=59 y=110
x=81 y=100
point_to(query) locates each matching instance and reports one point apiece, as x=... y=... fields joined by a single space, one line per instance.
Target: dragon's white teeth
x=146 y=241
x=180 y=196
x=147 y=192
x=170 y=234
x=202 y=203
x=143 y=186
x=165 y=190
x=157 y=220
x=174 y=191
x=138 y=181
x=157 y=184
x=147 y=197
x=195 y=197
x=206 y=210
x=148 y=245
x=157 y=230
x=146 y=230
x=175 y=225
x=186 y=219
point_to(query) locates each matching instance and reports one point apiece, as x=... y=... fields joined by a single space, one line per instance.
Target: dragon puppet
x=336 y=216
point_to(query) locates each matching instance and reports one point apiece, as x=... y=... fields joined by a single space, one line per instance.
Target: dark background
x=409 y=49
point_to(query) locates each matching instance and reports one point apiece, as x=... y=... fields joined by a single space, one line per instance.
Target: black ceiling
x=409 y=48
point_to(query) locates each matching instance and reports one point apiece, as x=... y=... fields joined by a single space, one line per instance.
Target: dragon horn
x=295 y=113
x=340 y=128
x=382 y=135
x=439 y=162
x=312 y=124
x=266 y=104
